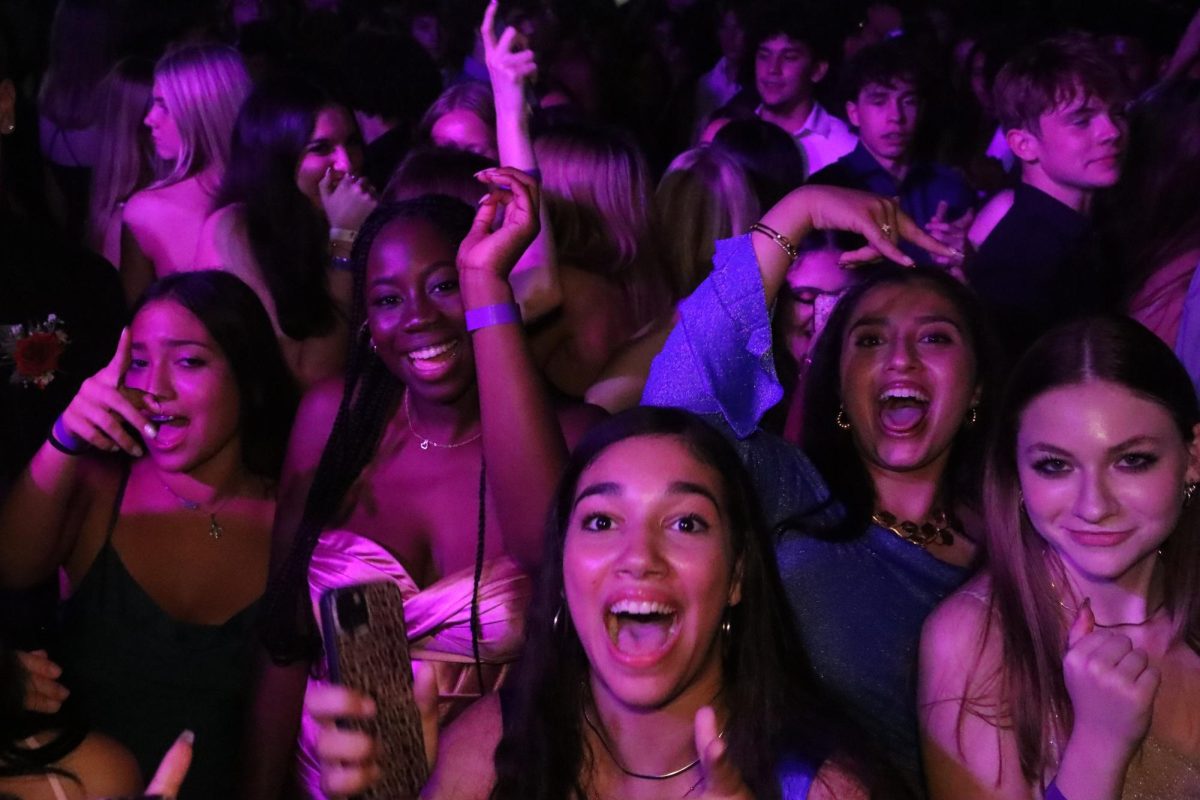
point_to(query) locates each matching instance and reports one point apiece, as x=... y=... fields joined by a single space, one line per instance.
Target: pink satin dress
x=438 y=620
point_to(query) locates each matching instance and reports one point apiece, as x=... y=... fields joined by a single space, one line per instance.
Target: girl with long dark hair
x=1070 y=667
x=869 y=533
x=287 y=213
x=154 y=494
x=661 y=660
x=429 y=466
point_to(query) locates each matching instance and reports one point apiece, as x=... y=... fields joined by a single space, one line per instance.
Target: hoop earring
x=841 y=421
x=559 y=623
x=971 y=420
x=1189 y=491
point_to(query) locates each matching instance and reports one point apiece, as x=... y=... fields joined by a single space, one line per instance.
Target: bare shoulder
x=958 y=623
x=106 y=768
x=314 y=420
x=464 y=769
x=989 y=217
x=835 y=782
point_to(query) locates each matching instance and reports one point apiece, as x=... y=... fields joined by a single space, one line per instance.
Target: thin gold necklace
x=640 y=776
x=215 y=531
x=1074 y=611
x=426 y=442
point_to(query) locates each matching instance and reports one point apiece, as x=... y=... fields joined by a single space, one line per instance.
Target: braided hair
x=370 y=396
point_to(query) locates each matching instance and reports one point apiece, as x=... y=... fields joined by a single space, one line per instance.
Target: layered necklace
x=940 y=527
x=215 y=531
x=425 y=441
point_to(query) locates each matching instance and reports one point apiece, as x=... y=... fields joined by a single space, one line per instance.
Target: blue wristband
x=66 y=442
x=498 y=314
x=1053 y=793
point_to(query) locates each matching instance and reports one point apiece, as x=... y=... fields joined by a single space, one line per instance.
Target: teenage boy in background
x=1059 y=103
x=887 y=89
x=790 y=48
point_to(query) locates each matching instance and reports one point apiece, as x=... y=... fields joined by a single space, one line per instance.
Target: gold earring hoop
x=1189 y=491
x=841 y=421
x=971 y=420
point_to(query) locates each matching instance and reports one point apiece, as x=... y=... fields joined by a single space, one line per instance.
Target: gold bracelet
x=785 y=244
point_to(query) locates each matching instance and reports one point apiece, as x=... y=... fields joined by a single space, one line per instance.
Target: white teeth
x=639 y=607
x=904 y=394
x=433 y=351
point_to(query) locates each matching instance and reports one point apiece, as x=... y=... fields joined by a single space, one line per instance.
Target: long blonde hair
x=598 y=196
x=1024 y=611
x=203 y=86
x=704 y=196
x=129 y=162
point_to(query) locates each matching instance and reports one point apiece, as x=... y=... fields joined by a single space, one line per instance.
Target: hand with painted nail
x=173 y=768
x=43 y=693
x=952 y=233
x=511 y=64
x=495 y=252
x=104 y=407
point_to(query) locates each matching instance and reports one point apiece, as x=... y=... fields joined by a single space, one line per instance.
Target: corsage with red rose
x=34 y=350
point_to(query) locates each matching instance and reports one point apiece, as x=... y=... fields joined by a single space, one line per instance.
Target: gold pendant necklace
x=940 y=528
x=215 y=531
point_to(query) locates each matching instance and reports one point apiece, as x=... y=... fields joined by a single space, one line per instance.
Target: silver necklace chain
x=425 y=441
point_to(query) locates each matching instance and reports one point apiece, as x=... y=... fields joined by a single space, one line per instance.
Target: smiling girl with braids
x=392 y=464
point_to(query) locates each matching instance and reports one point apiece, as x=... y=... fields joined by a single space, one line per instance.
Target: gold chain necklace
x=940 y=527
x=640 y=776
x=215 y=531
x=427 y=443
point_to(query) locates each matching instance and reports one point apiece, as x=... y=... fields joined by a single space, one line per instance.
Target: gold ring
x=886 y=229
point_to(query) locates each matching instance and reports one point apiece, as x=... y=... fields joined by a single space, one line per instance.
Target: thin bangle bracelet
x=785 y=244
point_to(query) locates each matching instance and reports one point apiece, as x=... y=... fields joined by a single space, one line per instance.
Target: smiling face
x=335 y=144
x=1103 y=472
x=415 y=312
x=908 y=376
x=1078 y=145
x=886 y=117
x=648 y=571
x=785 y=71
x=195 y=398
x=163 y=129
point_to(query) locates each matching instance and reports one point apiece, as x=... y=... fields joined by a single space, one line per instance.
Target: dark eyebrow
x=175 y=343
x=687 y=487
x=607 y=489
x=924 y=320
x=1132 y=441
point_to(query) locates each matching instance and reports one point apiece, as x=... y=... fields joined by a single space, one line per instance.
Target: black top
x=1033 y=272
x=143 y=677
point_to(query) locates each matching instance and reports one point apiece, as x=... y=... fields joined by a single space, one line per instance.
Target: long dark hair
x=370 y=396
x=288 y=236
x=234 y=316
x=832 y=449
x=1023 y=608
x=17 y=724
x=770 y=691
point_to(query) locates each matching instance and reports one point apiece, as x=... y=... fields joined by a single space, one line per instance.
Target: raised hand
x=1111 y=684
x=43 y=693
x=495 y=252
x=348 y=201
x=510 y=62
x=347 y=757
x=878 y=219
x=103 y=404
x=720 y=777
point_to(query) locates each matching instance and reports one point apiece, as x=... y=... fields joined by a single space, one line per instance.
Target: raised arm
x=523 y=444
x=512 y=69
x=36 y=530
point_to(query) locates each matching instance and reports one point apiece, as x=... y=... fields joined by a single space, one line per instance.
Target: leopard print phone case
x=366 y=646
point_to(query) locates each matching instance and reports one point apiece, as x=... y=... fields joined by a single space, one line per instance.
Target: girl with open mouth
x=869 y=540
x=660 y=661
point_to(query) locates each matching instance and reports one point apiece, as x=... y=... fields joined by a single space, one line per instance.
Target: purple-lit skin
x=887 y=117
x=335 y=145
x=163 y=129
x=785 y=72
x=462 y=130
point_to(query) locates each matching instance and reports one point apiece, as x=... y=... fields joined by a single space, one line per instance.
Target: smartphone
x=366 y=647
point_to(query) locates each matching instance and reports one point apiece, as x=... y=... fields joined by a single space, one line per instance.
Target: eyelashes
x=1134 y=462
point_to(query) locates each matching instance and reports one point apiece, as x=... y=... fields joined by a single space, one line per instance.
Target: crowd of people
x=749 y=398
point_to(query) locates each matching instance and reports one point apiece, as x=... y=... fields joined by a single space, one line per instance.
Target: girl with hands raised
x=658 y=662
x=154 y=494
x=430 y=465
x=1069 y=668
